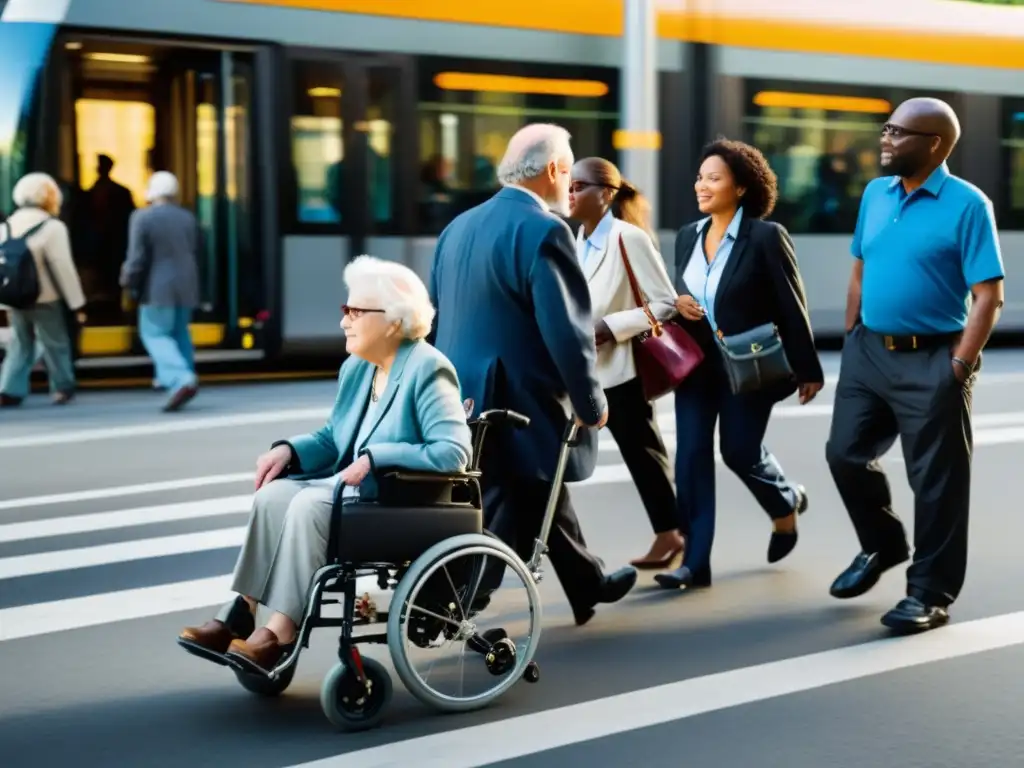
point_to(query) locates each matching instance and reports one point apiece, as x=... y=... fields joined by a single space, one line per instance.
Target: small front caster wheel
x=532 y=673
x=350 y=705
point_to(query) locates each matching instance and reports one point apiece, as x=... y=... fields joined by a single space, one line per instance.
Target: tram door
x=203 y=136
x=173 y=109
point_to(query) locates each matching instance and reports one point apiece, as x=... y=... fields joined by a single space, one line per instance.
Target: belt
x=917 y=342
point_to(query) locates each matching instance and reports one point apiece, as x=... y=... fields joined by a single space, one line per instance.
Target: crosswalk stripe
x=164 y=427
x=126 y=490
x=121 y=552
x=108 y=607
x=145 y=602
x=123 y=518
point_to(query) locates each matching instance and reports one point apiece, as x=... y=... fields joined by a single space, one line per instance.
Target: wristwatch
x=964 y=364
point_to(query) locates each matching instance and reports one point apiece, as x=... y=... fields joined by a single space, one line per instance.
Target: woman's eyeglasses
x=578 y=186
x=356 y=312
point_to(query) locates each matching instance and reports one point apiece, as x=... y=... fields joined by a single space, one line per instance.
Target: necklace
x=374 y=396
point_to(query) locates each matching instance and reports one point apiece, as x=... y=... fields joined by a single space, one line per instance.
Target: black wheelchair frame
x=363 y=683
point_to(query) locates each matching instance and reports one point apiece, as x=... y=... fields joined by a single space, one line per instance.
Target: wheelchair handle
x=504 y=415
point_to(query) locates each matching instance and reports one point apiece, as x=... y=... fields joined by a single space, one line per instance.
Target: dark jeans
x=633 y=423
x=916 y=397
x=702 y=400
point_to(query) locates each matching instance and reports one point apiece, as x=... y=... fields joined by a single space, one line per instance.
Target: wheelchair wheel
x=262 y=685
x=440 y=604
x=350 y=706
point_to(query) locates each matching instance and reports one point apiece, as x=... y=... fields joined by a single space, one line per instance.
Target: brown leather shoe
x=213 y=636
x=260 y=653
x=211 y=640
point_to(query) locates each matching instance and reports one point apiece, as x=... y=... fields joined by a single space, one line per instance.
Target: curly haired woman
x=735 y=272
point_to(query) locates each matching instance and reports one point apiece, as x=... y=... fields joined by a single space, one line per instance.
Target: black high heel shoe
x=783 y=542
x=683 y=577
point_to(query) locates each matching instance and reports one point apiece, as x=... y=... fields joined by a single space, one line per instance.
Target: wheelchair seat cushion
x=368 y=532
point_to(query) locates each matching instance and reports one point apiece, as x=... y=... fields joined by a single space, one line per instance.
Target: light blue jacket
x=420 y=424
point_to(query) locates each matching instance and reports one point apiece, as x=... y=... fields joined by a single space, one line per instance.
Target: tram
x=308 y=131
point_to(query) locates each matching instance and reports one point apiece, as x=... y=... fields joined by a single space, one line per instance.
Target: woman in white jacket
x=613 y=213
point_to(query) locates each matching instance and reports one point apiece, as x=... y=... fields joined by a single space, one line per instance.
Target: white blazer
x=612 y=298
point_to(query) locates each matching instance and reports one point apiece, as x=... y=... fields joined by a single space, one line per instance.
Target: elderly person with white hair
x=39 y=201
x=162 y=273
x=398 y=405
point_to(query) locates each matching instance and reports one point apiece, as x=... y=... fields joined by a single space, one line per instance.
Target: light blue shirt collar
x=732 y=231
x=932 y=185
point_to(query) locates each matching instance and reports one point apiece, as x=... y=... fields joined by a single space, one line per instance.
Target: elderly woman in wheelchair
x=398 y=405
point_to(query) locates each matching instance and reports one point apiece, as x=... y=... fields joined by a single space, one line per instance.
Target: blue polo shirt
x=922 y=253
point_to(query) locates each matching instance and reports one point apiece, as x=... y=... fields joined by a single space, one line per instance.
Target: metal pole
x=639 y=139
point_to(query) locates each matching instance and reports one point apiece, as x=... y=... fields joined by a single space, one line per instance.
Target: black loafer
x=911 y=615
x=863 y=574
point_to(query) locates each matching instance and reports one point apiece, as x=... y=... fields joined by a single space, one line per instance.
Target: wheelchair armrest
x=394 y=487
x=410 y=476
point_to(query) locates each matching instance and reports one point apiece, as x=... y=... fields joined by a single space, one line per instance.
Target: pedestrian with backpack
x=38 y=285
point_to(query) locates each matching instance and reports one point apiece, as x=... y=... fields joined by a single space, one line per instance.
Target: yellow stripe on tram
x=106 y=341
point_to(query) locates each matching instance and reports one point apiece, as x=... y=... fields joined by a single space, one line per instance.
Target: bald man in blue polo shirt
x=924 y=245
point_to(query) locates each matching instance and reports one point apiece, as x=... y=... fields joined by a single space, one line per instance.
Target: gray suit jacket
x=163 y=251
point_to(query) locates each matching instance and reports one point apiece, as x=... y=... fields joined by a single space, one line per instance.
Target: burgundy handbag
x=664 y=355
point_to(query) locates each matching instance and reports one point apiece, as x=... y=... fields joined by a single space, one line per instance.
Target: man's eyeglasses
x=898 y=131
x=356 y=312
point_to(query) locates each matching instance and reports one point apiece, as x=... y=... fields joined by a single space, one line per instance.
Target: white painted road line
x=121 y=552
x=516 y=737
x=165 y=427
x=123 y=518
x=96 y=610
x=126 y=490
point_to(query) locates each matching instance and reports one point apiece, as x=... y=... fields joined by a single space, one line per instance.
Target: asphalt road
x=120 y=525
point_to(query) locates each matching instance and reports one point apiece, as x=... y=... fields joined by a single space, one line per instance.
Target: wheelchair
x=421 y=535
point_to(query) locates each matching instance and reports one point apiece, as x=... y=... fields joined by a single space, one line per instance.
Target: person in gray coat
x=161 y=271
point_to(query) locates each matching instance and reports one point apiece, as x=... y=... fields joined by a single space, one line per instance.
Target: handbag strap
x=635 y=286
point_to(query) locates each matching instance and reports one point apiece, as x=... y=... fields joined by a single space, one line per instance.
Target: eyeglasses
x=898 y=131
x=578 y=186
x=356 y=312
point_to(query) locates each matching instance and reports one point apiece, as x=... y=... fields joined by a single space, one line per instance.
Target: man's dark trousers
x=912 y=394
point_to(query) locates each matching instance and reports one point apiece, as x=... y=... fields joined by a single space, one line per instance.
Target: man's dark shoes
x=862 y=574
x=614 y=587
x=912 y=615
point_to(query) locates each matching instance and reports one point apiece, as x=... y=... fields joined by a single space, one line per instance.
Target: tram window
x=317 y=146
x=469 y=110
x=1013 y=153
x=380 y=131
x=822 y=143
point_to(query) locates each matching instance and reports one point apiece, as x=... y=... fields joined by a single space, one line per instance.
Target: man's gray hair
x=396 y=289
x=531 y=149
x=33 y=189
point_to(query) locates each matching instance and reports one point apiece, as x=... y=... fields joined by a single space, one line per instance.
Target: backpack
x=19 y=278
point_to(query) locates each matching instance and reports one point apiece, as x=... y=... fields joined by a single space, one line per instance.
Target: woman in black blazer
x=734 y=272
